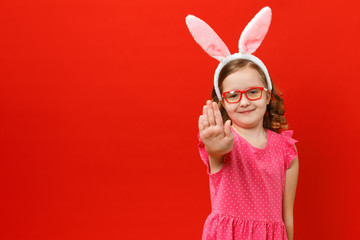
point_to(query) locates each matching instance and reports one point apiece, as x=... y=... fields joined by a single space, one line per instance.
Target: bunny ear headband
x=250 y=40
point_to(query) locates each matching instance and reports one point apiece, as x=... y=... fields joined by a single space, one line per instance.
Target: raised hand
x=216 y=136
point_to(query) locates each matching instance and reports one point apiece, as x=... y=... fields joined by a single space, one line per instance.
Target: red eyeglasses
x=234 y=96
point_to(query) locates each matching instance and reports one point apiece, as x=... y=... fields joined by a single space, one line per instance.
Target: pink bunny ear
x=255 y=32
x=207 y=38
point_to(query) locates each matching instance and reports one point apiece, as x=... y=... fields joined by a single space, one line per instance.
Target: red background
x=100 y=100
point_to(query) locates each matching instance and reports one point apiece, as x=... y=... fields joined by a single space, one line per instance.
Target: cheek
x=230 y=108
x=261 y=103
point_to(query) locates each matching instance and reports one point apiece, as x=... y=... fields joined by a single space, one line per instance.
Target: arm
x=289 y=196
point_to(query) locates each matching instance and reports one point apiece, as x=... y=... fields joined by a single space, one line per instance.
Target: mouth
x=246 y=112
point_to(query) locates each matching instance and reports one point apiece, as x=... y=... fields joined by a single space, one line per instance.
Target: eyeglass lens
x=252 y=94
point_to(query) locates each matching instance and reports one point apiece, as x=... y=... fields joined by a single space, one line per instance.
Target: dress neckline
x=268 y=134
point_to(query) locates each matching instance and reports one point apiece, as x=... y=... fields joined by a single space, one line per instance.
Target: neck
x=253 y=133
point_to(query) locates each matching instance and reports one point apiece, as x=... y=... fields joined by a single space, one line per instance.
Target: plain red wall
x=99 y=105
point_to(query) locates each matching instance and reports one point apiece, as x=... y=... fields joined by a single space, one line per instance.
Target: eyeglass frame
x=241 y=93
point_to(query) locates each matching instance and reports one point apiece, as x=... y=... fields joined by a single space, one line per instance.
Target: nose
x=244 y=101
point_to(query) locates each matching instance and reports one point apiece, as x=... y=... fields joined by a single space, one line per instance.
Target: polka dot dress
x=246 y=194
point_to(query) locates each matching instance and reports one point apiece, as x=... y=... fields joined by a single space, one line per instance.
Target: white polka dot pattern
x=246 y=193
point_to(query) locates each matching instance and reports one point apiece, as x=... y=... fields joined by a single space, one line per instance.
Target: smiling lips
x=246 y=112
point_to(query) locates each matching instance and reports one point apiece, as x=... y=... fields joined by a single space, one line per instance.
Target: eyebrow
x=244 y=89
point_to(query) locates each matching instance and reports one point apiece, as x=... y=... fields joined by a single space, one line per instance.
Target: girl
x=253 y=169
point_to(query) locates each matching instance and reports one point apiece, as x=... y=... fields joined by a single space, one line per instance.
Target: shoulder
x=283 y=140
x=285 y=135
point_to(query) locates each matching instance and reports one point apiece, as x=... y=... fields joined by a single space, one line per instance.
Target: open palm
x=216 y=135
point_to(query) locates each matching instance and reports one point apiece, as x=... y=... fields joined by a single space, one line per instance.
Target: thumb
x=227 y=128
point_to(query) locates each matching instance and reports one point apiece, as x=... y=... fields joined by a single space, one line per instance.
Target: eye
x=232 y=95
x=254 y=91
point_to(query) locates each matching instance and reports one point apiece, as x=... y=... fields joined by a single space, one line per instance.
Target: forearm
x=289 y=224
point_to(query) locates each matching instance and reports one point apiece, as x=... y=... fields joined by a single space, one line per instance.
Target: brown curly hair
x=274 y=117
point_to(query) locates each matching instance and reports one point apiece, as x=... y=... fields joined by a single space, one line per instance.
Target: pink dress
x=246 y=194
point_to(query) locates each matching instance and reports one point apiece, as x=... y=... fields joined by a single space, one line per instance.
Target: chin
x=245 y=124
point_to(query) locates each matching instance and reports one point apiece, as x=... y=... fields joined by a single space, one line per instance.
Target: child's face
x=241 y=80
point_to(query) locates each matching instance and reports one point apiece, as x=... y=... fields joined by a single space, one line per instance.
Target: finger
x=217 y=114
x=211 y=116
x=201 y=126
x=227 y=128
x=204 y=110
x=205 y=117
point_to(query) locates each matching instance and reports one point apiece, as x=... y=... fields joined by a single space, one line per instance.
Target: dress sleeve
x=290 y=151
x=203 y=154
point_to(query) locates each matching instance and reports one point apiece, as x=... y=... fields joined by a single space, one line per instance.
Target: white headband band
x=249 y=41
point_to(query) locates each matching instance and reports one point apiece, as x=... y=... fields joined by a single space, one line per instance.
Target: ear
x=206 y=37
x=255 y=32
x=268 y=97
